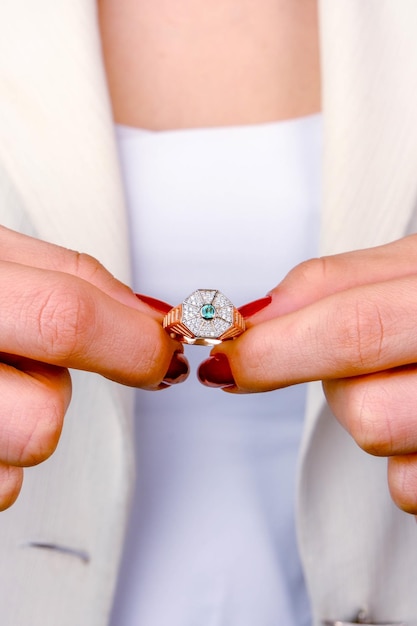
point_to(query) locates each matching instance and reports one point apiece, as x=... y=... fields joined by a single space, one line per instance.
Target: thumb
x=318 y=278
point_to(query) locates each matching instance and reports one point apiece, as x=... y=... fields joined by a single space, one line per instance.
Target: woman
x=49 y=196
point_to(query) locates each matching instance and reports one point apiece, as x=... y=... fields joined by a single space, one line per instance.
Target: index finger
x=318 y=278
x=31 y=252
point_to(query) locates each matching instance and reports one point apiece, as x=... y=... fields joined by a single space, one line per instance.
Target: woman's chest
x=194 y=63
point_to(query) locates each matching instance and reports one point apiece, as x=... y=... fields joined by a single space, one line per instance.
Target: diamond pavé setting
x=207 y=313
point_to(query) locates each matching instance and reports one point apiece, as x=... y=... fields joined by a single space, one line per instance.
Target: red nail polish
x=247 y=310
x=216 y=372
x=162 y=386
x=178 y=370
x=158 y=305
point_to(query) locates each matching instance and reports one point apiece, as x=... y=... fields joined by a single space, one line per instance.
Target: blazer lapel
x=59 y=180
x=369 y=60
x=369 y=69
x=369 y=76
x=57 y=144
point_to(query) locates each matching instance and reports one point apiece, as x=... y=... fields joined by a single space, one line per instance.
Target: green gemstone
x=208 y=311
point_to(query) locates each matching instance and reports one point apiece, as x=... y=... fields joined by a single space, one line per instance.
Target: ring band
x=205 y=318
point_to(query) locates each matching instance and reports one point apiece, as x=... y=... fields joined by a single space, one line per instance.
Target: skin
x=348 y=320
x=197 y=63
x=63 y=310
x=167 y=67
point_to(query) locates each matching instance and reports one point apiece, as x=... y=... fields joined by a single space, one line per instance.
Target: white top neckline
x=212 y=538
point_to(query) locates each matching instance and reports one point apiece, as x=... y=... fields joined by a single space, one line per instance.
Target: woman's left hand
x=349 y=320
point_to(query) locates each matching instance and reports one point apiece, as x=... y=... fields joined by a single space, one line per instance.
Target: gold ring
x=205 y=318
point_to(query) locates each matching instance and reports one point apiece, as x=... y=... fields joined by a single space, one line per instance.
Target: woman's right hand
x=59 y=310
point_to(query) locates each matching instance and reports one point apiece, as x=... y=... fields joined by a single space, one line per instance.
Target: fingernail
x=247 y=310
x=178 y=370
x=158 y=305
x=216 y=372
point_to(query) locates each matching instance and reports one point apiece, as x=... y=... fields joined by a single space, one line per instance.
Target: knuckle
x=41 y=427
x=313 y=271
x=65 y=318
x=91 y=270
x=361 y=333
x=370 y=423
x=86 y=266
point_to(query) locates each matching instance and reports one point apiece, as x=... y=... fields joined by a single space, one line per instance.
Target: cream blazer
x=59 y=180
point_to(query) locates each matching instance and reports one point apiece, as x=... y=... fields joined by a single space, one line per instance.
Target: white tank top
x=212 y=536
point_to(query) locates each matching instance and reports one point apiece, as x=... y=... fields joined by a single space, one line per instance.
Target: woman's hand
x=351 y=321
x=60 y=309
